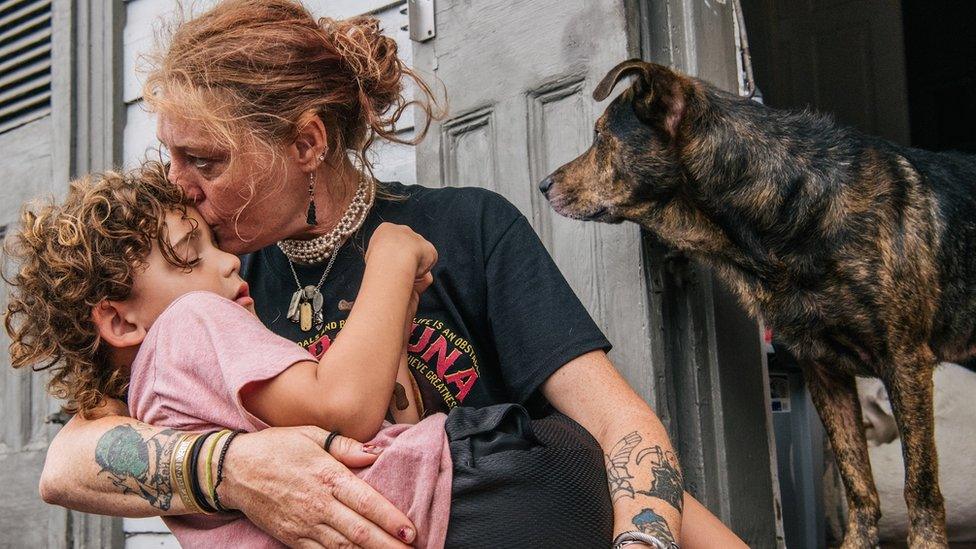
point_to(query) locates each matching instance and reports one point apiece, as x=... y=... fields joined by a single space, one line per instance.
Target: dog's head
x=634 y=156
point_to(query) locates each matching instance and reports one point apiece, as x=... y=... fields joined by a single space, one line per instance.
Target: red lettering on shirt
x=444 y=360
x=464 y=380
x=422 y=341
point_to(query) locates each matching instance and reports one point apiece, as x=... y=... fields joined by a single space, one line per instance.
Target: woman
x=266 y=114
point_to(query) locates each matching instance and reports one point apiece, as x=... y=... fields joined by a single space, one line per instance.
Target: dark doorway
x=940 y=63
x=904 y=70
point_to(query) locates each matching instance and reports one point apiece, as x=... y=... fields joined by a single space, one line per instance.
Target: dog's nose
x=545 y=184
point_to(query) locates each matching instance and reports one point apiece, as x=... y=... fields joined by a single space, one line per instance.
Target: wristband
x=178 y=471
x=208 y=482
x=633 y=536
x=192 y=476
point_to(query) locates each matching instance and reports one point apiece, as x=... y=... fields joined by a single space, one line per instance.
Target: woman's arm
x=349 y=389
x=642 y=468
x=281 y=478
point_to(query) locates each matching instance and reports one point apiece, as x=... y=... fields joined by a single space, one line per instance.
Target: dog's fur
x=861 y=254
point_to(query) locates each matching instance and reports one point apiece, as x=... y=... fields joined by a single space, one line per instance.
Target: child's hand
x=392 y=242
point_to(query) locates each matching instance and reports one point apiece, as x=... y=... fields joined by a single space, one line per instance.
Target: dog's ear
x=660 y=94
x=609 y=81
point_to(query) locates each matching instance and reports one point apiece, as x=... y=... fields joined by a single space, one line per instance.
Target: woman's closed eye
x=199 y=162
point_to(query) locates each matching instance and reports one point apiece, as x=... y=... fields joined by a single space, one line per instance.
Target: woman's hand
x=285 y=483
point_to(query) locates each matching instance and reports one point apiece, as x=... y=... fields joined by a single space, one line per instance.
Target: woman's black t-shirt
x=497 y=321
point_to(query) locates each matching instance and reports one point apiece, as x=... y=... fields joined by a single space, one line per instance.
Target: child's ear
x=110 y=318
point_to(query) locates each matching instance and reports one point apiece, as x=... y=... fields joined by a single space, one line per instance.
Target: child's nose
x=232 y=264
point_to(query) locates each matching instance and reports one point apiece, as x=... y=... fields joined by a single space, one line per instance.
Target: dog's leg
x=910 y=389
x=835 y=396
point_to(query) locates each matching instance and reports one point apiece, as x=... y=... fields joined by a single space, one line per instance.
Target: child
x=122 y=288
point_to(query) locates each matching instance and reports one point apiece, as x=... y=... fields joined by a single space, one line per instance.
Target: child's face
x=213 y=270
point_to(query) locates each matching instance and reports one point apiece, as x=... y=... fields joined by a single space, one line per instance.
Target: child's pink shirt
x=199 y=354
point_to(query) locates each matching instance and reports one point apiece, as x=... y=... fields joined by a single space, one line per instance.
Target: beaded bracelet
x=220 y=471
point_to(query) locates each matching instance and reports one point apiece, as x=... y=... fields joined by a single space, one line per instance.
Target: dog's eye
x=596 y=134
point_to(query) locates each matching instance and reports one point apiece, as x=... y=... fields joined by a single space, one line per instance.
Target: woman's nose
x=177 y=177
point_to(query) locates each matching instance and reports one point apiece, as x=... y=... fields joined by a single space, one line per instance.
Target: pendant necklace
x=306 y=305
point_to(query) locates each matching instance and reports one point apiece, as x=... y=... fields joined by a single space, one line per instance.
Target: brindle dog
x=860 y=253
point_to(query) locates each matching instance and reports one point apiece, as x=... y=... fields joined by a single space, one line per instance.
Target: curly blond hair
x=71 y=256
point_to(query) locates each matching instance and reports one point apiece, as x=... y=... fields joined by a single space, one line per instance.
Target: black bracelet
x=194 y=482
x=220 y=472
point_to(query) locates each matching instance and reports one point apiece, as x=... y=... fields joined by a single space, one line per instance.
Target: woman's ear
x=114 y=327
x=311 y=143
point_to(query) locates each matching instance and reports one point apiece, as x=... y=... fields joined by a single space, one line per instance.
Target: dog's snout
x=545 y=184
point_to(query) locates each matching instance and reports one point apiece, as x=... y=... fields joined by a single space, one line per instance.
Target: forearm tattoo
x=666 y=480
x=653 y=524
x=618 y=476
x=137 y=462
x=658 y=472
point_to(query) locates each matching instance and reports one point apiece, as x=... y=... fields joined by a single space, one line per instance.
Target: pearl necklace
x=320 y=248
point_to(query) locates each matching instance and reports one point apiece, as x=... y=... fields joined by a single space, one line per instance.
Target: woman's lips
x=243 y=297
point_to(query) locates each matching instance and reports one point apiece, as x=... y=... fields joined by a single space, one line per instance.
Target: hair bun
x=370 y=56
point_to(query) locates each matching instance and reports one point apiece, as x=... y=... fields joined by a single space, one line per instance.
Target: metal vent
x=25 y=61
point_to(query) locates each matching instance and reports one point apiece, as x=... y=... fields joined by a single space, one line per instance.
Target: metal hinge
x=420 y=14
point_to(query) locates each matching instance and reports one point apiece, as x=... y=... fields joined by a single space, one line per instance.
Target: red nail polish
x=405 y=534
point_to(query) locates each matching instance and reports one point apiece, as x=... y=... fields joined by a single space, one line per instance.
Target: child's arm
x=349 y=389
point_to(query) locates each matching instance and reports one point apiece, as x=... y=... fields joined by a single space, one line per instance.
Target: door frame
x=709 y=351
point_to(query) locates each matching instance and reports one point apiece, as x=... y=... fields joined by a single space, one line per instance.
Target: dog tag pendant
x=305 y=313
x=296 y=298
x=317 y=302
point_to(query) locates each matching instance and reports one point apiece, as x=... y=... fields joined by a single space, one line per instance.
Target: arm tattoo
x=138 y=465
x=617 y=474
x=653 y=524
x=663 y=471
x=666 y=480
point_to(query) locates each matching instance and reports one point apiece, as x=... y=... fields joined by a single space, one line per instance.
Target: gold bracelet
x=180 y=457
x=208 y=475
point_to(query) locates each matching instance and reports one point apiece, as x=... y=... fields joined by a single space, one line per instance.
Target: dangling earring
x=310 y=214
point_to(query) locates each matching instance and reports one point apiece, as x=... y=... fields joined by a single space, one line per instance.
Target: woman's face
x=246 y=205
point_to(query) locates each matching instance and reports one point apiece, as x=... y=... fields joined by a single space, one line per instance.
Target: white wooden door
x=519 y=78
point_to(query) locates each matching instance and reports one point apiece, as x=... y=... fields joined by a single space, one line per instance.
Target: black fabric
x=497 y=321
x=525 y=483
